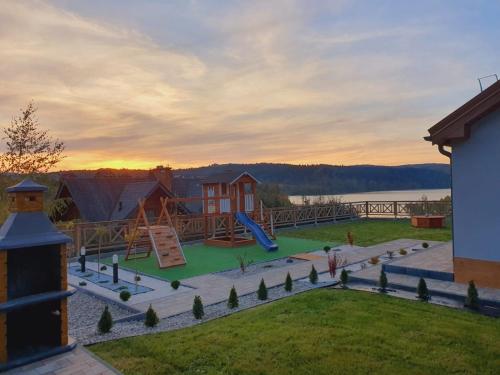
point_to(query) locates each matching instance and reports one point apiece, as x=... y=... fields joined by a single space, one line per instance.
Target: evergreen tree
x=232 y=302
x=151 y=318
x=288 y=282
x=105 y=322
x=472 y=300
x=262 y=292
x=344 y=277
x=313 y=275
x=422 y=291
x=382 y=281
x=198 y=311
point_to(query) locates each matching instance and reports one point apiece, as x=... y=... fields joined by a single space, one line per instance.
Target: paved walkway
x=77 y=362
x=214 y=288
x=439 y=258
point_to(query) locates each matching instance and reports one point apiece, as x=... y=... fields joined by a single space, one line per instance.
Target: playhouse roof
x=456 y=126
x=228 y=177
x=27 y=229
x=26 y=185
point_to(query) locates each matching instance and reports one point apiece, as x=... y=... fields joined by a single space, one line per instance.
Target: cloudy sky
x=137 y=83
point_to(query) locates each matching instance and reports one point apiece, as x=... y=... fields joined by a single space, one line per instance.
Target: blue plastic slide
x=257 y=231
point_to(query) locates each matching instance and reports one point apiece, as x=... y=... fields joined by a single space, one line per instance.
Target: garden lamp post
x=115 y=269
x=83 y=251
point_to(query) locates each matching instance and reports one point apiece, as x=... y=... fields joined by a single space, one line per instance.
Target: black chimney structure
x=33 y=281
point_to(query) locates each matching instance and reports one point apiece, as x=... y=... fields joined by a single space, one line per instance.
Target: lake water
x=395 y=195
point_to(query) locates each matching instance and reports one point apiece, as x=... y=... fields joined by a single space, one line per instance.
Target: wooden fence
x=111 y=234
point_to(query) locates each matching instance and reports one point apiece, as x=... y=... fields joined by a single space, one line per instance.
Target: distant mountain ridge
x=336 y=179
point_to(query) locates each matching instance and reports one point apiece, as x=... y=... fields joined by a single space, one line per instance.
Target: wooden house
x=472 y=133
x=108 y=196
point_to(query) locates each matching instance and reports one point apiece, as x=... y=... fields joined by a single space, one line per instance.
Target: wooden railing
x=112 y=234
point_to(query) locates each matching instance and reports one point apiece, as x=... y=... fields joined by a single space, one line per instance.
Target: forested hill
x=331 y=179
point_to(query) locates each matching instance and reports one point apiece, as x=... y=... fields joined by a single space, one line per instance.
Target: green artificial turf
x=370 y=232
x=320 y=332
x=202 y=259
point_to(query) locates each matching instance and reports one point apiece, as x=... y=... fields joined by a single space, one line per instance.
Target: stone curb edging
x=437 y=293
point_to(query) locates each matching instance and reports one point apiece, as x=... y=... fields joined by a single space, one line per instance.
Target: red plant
x=335 y=262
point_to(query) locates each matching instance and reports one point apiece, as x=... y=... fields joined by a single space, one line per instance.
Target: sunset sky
x=189 y=83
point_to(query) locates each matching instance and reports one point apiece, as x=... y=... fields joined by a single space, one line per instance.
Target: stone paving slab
x=79 y=361
x=438 y=258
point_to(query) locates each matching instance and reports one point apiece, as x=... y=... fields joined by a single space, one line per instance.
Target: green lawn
x=320 y=332
x=202 y=259
x=370 y=232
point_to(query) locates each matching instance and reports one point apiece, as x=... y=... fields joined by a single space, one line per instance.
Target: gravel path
x=84 y=311
x=88 y=335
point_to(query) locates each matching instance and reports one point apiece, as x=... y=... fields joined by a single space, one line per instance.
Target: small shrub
x=262 y=292
x=422 y=291
x=175 y=284
x=373 y=260
x=472 y=300
x=104 y=268
x=403 y=252
x=198 y=311
x=288 y=282
x=326 y=249
x=82 y=283
x=151 y=318
x=125 y=295
x=232 y=302
x=344 y=277
x=390 y=254
x=137 y=278
x=425 y=245
x=313 y=275
x=382 y=281
x=105 y=322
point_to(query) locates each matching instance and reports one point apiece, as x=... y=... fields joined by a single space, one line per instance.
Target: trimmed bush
x=422 y=291
x=105 y=322
x=137 y=278
x=313 y=275
x=425 y=245
x=344 y=277
x=288 y=282
x=232 y=302
x=198 y=311
x=104 y=268
x=151 y=318
x=125 y=295
x=382 y=281
x=326 y=249
x=403 y=251
x=472 y=300
x=262 y=292
x=175 y=284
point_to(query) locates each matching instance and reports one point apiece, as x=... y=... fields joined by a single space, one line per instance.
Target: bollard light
x=82 y=258
x=115 y=268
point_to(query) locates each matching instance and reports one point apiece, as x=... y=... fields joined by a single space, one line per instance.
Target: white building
x=473 y=134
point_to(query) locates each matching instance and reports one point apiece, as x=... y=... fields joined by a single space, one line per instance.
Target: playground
x=202 y=259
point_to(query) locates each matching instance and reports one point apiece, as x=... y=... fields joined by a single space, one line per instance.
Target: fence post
x=350 y=211
x=295 y=217
x=366 y=209
x=315 y=215
x=272 y=222
x=395 y=209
